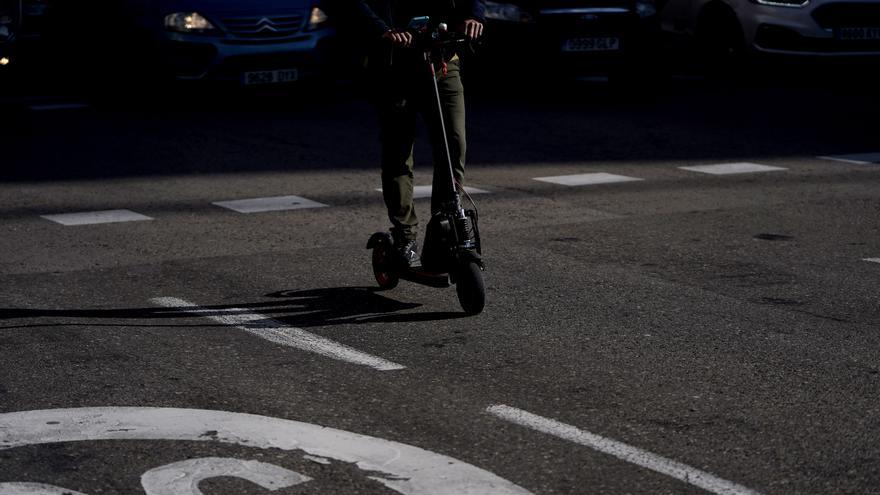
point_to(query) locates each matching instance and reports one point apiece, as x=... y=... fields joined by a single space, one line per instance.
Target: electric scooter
x=451 y=253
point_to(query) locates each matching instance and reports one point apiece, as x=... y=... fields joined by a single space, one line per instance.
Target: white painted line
x=422 y=192
x=58 y=106
x=403 y=468
x=96 y=217
x=279 y=333
x=276 y=203
x=733 y=168
x=621 y=450
x=872 y=260
x=586 y=179
x=858 y=158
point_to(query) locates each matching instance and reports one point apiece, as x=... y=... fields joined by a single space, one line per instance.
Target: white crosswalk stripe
x=732 y=168
x=587 y=179
x=96 y=217
x=275 y=203
x=858 y=158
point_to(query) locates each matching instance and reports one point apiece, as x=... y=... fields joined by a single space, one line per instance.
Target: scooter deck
x=420 y=276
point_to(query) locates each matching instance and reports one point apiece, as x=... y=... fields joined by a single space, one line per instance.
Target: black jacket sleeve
x=476 y=9
x=360 y=17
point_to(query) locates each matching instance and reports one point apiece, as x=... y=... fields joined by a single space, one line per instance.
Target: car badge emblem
x=266 y=25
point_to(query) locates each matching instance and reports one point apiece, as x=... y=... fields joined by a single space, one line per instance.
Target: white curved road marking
x=279 y=333
x=403 y=468
x=622 y=451
x=34 y=489
x=183 y=478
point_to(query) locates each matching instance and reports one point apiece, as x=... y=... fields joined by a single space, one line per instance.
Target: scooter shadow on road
x=350 y=305
x=300 y=308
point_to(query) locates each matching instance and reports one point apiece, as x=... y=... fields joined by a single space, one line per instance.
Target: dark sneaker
x=407 y=253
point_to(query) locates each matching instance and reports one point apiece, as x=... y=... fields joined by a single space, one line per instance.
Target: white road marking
x=34 y=489
x=275 y=203
x=96 y=217
x=183 y=478
x=621 y=450
x=858 y=158
x=400 y=467
x=58 y=106
x=733 y=168
x=422 y=192
x=586 y=179
x=279 y=333
x=872 y=260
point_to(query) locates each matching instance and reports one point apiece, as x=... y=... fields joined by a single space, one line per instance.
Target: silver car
x=793 y=28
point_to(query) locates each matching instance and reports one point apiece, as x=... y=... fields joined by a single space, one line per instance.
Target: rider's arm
x=472 y=13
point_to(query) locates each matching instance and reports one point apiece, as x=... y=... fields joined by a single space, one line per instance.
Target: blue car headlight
x=646 y=8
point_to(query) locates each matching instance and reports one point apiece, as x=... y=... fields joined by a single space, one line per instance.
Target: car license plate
x=597 y=44
x=859 y=34
x=270 y=76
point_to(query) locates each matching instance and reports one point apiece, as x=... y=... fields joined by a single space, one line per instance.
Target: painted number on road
x=403 y=468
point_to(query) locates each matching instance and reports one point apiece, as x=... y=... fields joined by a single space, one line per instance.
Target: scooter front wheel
x=386 y=277
x=470 y=288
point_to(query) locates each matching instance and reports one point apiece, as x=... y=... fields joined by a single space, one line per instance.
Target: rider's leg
x=397 y=122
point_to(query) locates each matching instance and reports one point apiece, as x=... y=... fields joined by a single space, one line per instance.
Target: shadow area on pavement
x=296 y=308
x=348 y=305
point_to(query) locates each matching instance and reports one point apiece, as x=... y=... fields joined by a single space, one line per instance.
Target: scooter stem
x=455 y=199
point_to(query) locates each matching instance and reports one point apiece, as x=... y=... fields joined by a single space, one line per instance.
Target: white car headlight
x=503 y=12
x=188 y=22
x=317 y=18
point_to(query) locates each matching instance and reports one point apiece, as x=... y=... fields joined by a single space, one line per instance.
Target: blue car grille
x=266 y=27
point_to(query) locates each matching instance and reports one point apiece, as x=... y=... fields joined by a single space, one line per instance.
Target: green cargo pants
x=408 y=94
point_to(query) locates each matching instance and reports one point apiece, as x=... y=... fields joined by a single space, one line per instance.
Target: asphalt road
x=681 y=333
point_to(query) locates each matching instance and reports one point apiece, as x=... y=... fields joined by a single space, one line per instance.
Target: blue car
x=250 y=42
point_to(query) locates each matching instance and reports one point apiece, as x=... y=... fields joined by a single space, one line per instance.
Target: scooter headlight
x=188 y=22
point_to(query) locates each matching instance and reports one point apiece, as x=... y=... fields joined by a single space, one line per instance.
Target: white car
x=797 y=28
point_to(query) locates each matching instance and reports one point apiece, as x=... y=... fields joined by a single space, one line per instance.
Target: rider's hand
x=472 y=28
x=398 y=38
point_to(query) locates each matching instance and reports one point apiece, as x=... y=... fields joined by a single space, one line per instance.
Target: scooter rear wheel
x=386 y=277
x=470 y=288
